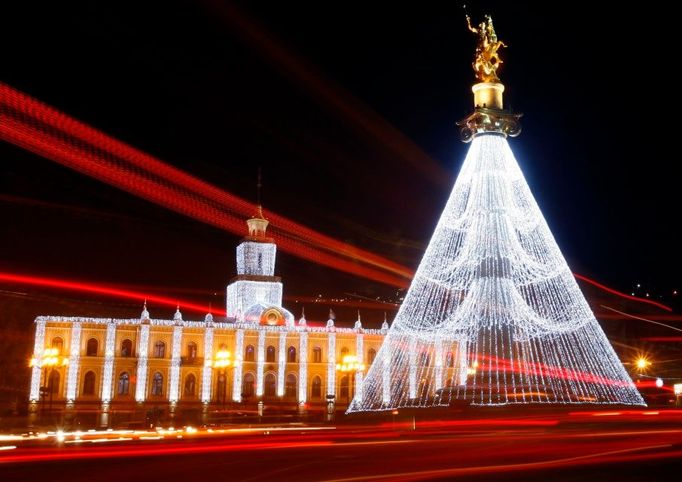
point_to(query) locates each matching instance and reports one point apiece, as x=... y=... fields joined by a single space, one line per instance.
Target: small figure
x=487 y=59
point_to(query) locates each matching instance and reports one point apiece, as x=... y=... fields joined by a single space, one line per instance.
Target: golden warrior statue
x=487 y=59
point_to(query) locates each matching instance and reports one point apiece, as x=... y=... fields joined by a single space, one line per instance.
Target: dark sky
x=180 y=81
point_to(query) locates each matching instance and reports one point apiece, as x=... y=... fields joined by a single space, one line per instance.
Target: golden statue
x=487 y=59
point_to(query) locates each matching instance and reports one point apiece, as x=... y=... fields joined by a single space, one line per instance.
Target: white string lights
x=494 y=290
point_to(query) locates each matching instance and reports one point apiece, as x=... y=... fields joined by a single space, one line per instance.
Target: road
x=616 y=446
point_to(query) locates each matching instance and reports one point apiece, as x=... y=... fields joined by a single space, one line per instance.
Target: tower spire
x=258 y=224
x=259 y=187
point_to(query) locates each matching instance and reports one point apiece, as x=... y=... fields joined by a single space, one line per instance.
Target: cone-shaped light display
x=494 y=315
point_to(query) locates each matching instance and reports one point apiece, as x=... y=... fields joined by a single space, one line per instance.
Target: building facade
x=258 y=352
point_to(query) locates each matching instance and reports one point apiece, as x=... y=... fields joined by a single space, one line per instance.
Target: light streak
x=100 y=289
x=618 y=293
x=43 y=130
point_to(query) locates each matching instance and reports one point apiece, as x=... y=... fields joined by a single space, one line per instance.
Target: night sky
x=186 y=83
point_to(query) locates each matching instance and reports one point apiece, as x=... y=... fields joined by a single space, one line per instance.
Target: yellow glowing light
x=642 y=363
x=350 y=363
x=222 y=359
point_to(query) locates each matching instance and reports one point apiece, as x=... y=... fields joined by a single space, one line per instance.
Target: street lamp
x=642 y=363
x=351 y=365
x=223 y=360
x=48 y=359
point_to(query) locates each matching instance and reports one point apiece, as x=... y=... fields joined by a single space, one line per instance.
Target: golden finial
x=487 y=59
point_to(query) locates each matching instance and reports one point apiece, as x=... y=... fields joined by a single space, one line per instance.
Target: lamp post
x=350 y=365
x=50 y=358
x=222 y=360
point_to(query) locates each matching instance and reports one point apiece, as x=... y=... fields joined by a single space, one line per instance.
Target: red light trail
x=41 y=129
x=618 y=293
x=104 y=290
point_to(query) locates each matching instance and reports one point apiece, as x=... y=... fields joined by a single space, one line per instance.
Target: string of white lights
x=74 y=358
x=174 y=379
x=282 y=363
x=303 y=367
x=109 y=353
x=260 y=363
x=142 y=353
x=38 y=348
x=207 y=373
x=331 y=364
x=359 y=348
x=495 y=294
x=238 y=368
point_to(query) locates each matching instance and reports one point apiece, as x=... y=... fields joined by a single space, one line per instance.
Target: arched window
x=450 y=360
x=58 y=343
x=89 y=383
x=270 y=385
x=190 y=385
x=247 y=385
x=316 y=388
x=344 y=393
x=53 y=382
x=291 y=355
x=91 y=347
x=344 y=352
x=123 y=384
x=127 y=348
x=270 y=354
x=191 y=350
x=317 y=355
x=159 y=349
x=249 y=353
x=157 y=385
x=371 y=355
x=290 y=386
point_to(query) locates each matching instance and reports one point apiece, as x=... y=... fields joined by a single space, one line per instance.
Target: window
x=127 y=348
x=316 y=390
x=270 y=385
x=123 y=384
x=371 y=355
x=91 y=347
x=191 y=350
x=89 y=383
x=317 y=355
x=159 y=349
x=53 y=382
x=291 y=355
x=157 y=385
x=190 y=385
x=344 y=393
x=344 y=352
x=450 y=360
x=249 y=353
x=247 y=385
x=270 y=354
x=260 y=262
x=58 y=343
x=290 y=386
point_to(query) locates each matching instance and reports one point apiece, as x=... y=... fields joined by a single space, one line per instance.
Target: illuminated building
x=258 y=352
